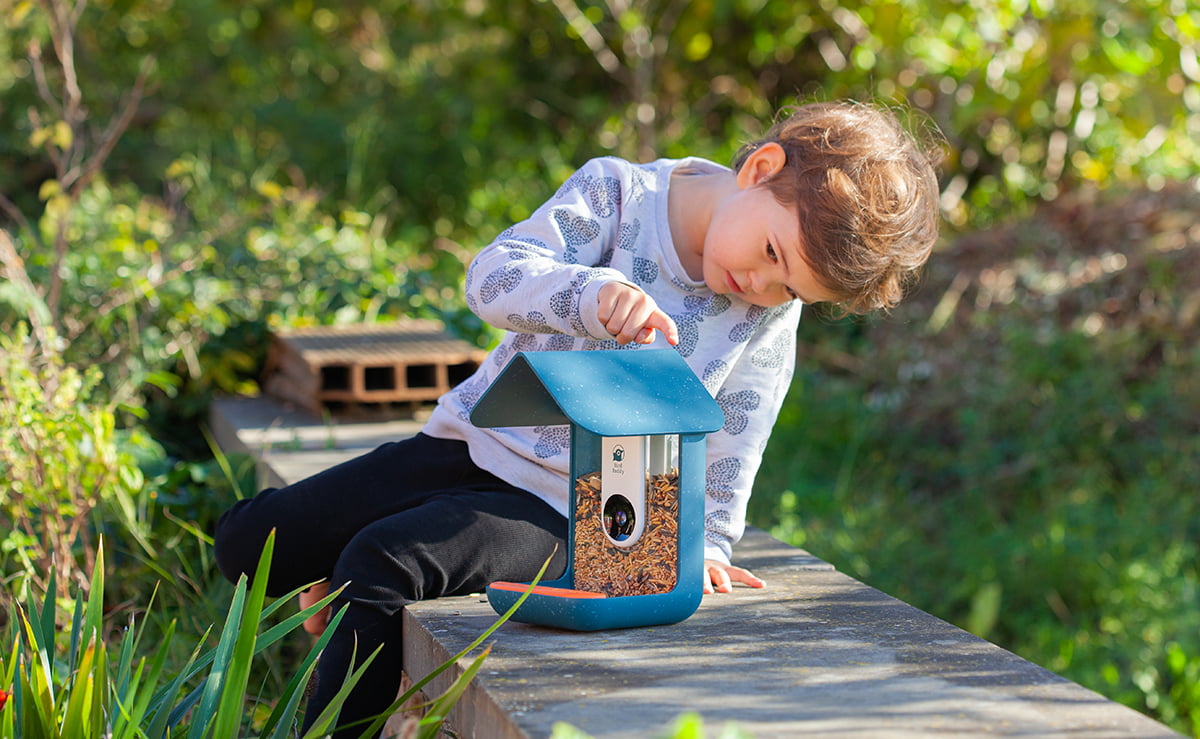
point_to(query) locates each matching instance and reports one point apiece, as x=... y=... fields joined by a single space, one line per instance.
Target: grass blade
x=377 y=725
x=35 y=685
x=230 y=706
x=431 y=724
x=325 y=720
x=135 y=701
x=161 y=702
x=285 y=711
x=93 y=615
x=214 y=682
x=46 y=617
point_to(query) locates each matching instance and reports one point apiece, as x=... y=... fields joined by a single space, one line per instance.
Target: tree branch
x=12 y=267
x=115 y=130
x=593 y=38
x=39 y=77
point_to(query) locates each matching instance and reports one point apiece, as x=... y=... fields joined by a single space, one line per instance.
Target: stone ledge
x=816 y=653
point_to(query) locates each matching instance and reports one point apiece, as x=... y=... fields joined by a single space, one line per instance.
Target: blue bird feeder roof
x=609 y=393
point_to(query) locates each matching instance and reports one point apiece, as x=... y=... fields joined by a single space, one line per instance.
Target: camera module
x=619 y=518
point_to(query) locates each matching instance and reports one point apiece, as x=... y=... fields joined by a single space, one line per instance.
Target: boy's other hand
x=316 y=623
x=631 y=315
x=720 y=577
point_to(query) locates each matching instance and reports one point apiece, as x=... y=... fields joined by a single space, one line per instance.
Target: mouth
x=733 y=286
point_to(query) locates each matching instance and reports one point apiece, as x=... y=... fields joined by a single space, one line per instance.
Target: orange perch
x=518 y=587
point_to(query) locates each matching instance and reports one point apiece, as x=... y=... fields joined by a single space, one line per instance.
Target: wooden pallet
x=405 y=361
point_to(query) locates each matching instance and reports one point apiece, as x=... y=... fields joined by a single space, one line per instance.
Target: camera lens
x=618 y=518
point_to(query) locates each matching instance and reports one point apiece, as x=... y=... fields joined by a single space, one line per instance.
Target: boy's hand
x=316 y=623
x=631 y=315
x=719 y=577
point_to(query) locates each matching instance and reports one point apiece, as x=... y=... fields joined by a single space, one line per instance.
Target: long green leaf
x=214 y=682
x=272 y=635
x=8 y=676
x=46 y=618
x=132 y=689
x=161 y=704
x=220 y=657
x=284 y=714
x=230 y=707
x=93 y=616
x=78 y=693
x=36 y=699
x=123 y=719
x=135 y=701
x=283 y=717
x=288 y=625
x=77 y=635
x=325 y=720
x=36 y=638
x=124 y=672
x=98 y=699
x=223 y=461
x=7 y=718
x=377 y=725
x=446 y=701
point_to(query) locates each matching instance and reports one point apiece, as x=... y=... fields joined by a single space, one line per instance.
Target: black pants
x=409 y=521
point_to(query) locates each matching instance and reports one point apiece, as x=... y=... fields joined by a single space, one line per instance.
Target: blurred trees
x=411 y=132
x=461 y=115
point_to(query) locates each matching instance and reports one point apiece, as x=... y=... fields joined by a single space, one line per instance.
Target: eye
x=771 y=253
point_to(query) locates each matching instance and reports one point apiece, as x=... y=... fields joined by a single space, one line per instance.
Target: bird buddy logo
x=618 y=456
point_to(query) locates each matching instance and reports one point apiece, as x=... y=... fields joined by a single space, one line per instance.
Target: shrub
x=62 y=459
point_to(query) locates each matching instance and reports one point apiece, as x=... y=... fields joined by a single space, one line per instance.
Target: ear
x=765 y=162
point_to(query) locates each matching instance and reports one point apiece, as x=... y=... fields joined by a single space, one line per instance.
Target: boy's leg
x=315 y=518
x=455 y=543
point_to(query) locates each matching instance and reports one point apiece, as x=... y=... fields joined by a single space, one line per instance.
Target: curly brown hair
x=866 y=192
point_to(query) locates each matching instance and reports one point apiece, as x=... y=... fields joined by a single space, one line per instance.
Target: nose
x=765 y=280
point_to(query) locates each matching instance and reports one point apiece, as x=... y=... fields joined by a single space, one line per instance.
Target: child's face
x=753 y=251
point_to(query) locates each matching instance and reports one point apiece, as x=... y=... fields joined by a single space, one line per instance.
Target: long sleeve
x=751 y=393
x=542 y=275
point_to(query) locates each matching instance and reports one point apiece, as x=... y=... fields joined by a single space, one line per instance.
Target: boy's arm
x=751 y=394
x=549 y=274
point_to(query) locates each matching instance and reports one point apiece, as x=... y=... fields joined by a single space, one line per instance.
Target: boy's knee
x=378 y=573
x=237 y=543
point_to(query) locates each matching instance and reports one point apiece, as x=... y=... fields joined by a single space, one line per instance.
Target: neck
x=690 y=207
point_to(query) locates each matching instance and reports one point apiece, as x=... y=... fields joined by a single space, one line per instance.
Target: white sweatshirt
x=539 y=280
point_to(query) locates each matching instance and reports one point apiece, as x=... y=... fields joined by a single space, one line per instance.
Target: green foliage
x=1013 y=450
x=62 y=460
x=359 y=154
x=82 y=684
x=455 y=117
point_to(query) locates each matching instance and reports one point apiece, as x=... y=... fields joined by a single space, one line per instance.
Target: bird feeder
x=638 y=420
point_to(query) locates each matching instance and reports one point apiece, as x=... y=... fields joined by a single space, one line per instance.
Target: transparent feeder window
x=626 y=517
x=662 y=456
